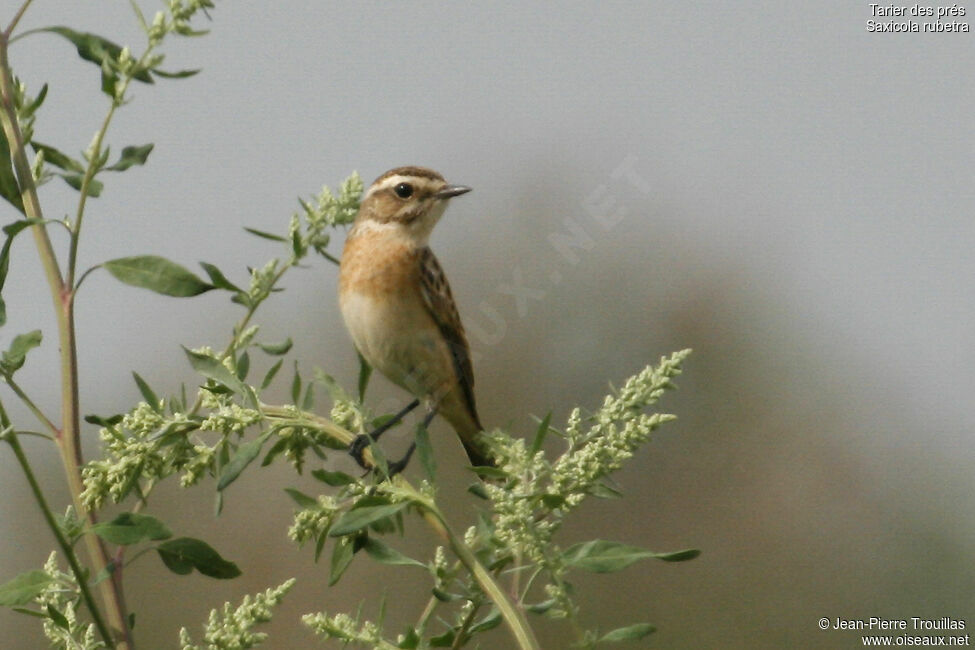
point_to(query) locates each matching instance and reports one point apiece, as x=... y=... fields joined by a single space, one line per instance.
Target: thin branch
x=76 y=569
x=464 y=627
x=511 y=614
x=69 y=436
x=13 y=23
x=38 y=413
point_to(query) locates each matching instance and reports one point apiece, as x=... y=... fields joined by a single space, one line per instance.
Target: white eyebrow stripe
x=395 y=180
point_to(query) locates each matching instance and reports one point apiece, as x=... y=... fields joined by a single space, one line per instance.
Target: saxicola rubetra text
x=398 y=307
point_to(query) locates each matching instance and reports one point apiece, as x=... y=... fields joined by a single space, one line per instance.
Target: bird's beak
x=452 y=190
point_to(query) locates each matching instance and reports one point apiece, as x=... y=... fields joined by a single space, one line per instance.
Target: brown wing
x=440 y=303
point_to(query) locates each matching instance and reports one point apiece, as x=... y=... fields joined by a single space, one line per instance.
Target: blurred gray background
x=767 y=183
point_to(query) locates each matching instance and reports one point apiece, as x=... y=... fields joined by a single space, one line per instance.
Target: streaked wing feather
x=440 y=302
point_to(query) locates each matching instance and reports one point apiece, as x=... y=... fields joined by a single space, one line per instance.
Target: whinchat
x=398 y=307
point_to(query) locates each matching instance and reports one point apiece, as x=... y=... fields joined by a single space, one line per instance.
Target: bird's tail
x=475 y=453
x=470 y=432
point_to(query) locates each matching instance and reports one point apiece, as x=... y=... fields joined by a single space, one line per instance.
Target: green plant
x=506 y=566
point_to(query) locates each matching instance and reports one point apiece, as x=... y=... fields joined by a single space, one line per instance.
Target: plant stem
x=13 y=23
x=460 y=639
x=38 y=413
x=69 y=436
x=239 y=330
x=79 y=574
x=288 y=415
x=28 y=191
x=95 y=151
x=421 y=624
x=512 y=615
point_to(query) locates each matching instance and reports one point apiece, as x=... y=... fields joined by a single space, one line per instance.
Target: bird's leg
x=363 y=440
x=400 y=465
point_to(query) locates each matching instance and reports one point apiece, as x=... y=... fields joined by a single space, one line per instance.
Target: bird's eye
x=403 y=190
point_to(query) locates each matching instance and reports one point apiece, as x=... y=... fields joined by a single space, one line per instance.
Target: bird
x=399 y=310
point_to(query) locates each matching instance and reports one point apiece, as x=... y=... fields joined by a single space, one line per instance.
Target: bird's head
x=407 y=199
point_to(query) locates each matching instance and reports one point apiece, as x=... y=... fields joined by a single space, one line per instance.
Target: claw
x=400 y=465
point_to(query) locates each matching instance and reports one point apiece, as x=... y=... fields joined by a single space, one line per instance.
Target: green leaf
x=131 y=156
x=131 y=528
x=489 y=622
x=486 y=471
x=601 y=556
x=184 y=554
x=297 y=247
x=335 y=479
x=157 y=274
x=265 y=235
x=108 y=422
x=425 y=451
x=445 y=596
x=24 y=588
x=9 y=188
x=542 y=607
x=308 y=401
x=302 y=499
x=540 y=434
x=444 y=640
x=29 y=110
x=269 y=377
x=60 y=160
x=240 y=460
x=57 y=617
x=679 y=556
x=359 y=518
x=29 y=612
x=319 y=547
x=15 y=356
x=243 y=366
x=95 y=48
x=276 y=450
x=603 y=490
x=146 y=391
x=477 y=489
x=384 y=554
x=553 y=501
x=95 y=186
x=103 y=157
x=277 y=349
x=11 y=230
x=628 y=633
x=218 y=279
x=365 y=371
x=218 y=389
x=410 y=640
x=341 y=559
x=210 y=368
x=296 y=386
x=179 y=74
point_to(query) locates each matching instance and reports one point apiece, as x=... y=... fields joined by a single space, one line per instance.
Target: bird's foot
x=400 y=465
x=358 y=446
